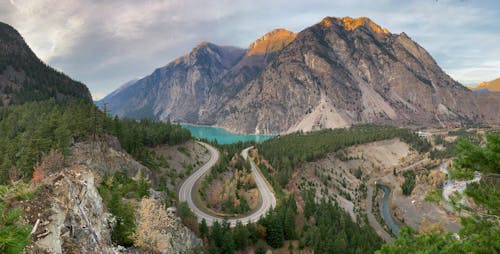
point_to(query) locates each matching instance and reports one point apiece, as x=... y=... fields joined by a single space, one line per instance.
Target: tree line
x=286 y=152
x=33 y=129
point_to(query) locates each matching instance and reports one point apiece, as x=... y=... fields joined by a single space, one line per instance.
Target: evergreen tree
x=241 y=236
x=203 y=228
x=275 y=235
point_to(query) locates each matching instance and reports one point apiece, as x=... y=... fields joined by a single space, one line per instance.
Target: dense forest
x=288 y=151
x=325 y=228
x=480 y=231
x=33 y=129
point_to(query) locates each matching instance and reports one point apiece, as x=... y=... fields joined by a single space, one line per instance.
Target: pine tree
x=275 y=235
x=241 y=236
x=203 y=228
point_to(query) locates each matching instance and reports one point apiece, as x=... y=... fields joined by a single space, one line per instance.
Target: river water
x=222 y=136
x=385 y=210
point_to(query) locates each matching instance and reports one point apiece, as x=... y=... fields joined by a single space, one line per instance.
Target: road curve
x=185 y=191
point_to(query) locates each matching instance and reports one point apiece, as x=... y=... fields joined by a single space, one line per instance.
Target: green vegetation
x=480 y=232
x=409 y=183
x=487 y=193
x=286 y=152
x=230 y=159
x=450 y=147
x=14 y=236
x=113 y=191
x=327 y=229
x=434 y=196
x=229 y=208
x=330 y=229
x=472 y=157
x=33 y=129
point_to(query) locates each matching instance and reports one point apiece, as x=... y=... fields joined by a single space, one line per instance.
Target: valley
x=343 y=137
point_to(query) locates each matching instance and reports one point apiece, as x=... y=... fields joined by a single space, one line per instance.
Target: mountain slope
x=179 y=90
x=345 y=71
x=23 y=77
x=257 y=56
x=194 y=87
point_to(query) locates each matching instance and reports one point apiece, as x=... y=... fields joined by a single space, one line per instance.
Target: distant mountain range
x=24 y=77
x=336 y=73
x=487 y=86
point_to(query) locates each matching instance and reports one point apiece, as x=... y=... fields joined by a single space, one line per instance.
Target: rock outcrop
x=160 y=231
x=69 y=215
x=72 y=217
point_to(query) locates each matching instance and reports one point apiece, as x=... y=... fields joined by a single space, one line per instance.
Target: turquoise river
x=222 y=136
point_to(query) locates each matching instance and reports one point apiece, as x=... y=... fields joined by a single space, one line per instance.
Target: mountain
x=336 y=73
x=110 y=96
x=493 y=85
x=207 y=77
x=24 y=77
x=179 y=90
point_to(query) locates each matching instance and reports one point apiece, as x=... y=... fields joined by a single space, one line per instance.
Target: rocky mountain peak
x=271 y=42
x=493 y=85
x=351 y=24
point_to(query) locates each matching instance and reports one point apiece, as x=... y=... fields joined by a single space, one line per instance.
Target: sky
x=107 y=43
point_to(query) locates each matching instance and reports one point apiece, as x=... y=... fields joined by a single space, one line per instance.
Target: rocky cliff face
x=23 y=77
x=194 y=87
x=69 y=215
x=339 y=72
x=347 y=71
x=180 y=90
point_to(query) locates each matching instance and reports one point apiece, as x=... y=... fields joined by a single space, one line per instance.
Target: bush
x=409 y=182
x=13 y=236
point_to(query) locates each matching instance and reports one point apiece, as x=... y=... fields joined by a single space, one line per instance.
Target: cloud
x=106 y=43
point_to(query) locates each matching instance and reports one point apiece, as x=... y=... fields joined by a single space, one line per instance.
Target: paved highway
x=185 y=192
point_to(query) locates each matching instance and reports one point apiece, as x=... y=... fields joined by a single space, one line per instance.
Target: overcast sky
x=106 y=43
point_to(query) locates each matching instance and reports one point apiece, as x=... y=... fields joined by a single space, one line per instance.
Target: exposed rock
x=350 y=71
x=73 y=216
x=180 y=90
x=160 y=231
x=107 y=157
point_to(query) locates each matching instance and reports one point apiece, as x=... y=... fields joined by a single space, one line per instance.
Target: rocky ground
x=68 y=214
x=181 y=160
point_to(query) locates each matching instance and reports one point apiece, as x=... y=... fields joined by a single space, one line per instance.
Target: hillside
x=24 y=77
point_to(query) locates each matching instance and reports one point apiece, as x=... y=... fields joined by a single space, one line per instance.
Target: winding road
x=268 y=200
